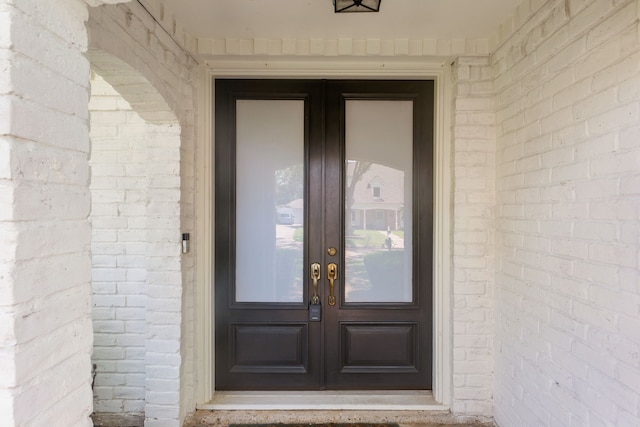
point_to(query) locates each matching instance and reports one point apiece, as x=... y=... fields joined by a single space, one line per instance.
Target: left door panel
x=265 y=198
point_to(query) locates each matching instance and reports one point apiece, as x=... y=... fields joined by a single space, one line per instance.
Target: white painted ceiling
x=412 y=19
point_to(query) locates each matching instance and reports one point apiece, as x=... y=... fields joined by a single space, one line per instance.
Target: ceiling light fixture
x=343 y=6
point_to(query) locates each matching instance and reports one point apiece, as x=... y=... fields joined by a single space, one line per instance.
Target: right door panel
x=379 y=159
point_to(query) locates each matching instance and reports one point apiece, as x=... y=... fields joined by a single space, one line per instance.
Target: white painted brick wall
x=568 y=231
x=45 y=332
x=119 y=248
x=136 y=259
x=473 y=130
x=157 y=78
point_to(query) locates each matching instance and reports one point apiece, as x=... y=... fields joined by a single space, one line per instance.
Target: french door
x=323 y=249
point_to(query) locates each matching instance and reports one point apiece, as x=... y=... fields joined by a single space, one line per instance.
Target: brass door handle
x=332 y=275
x=315 y=276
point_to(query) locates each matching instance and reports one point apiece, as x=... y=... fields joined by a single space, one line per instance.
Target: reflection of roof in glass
x=389 y=180
x=296 y=204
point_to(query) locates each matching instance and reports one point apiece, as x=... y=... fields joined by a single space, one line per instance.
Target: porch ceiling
x=300 y=19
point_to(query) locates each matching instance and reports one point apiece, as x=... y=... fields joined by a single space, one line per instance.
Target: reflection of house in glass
x=378 y=196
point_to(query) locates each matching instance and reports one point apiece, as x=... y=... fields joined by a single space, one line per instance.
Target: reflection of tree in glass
x=355 y=171
x=289 y=184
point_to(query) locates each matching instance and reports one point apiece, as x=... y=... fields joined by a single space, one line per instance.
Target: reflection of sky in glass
x=269 y=181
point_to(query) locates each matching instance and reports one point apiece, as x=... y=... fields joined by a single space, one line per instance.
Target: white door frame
x=407 y=68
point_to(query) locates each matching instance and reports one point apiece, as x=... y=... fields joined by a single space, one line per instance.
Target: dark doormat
x=319 y=425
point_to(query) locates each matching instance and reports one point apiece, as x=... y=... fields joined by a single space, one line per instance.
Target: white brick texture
x=568 y=221
x=473 y=133
x=546 y=212
x=143 y=199
x=119 y=139
x=45 y=324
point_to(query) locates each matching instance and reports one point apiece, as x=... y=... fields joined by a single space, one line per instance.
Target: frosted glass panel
x=269 y=200
x=378 y=201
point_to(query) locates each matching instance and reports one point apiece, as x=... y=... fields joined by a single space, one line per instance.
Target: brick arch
x=143 y=97
x=127 y=32
x=158 y=79
x=136 y=259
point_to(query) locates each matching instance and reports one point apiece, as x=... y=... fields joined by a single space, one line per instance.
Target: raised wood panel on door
x=394 y=347
x=281 y=348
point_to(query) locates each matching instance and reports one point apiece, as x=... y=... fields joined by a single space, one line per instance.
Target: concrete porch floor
x=207 y=418
x=403 y=418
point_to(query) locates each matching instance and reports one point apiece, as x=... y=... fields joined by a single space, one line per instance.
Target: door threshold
x=375 y=400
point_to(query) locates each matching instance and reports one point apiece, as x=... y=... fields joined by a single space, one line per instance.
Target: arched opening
x=136 y=257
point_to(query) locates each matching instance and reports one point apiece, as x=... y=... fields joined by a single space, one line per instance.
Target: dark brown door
x=323 y=219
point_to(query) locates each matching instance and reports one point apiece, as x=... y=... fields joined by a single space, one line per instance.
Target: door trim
x=436 y=70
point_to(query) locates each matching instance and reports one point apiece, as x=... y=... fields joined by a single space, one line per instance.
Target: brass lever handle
x=332 y=275
x=315 y=276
